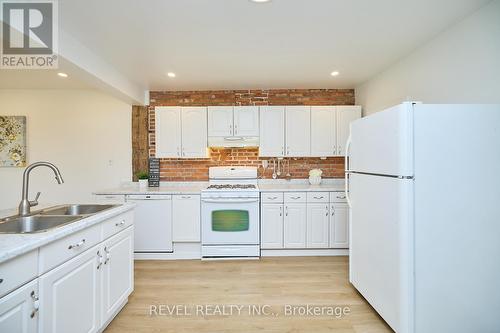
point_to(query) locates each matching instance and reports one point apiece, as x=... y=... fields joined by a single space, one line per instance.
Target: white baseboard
x=182 y=251
x=303 y=252
x=190 y=251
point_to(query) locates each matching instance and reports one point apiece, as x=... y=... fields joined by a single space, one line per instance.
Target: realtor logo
x=29 y=34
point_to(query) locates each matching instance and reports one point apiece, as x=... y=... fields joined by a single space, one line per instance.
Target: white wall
x=460 y=65
x=85 y=133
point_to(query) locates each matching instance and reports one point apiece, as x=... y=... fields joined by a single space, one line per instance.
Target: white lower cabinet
x=294 y=220
x=339 y=226
x=295 y=225
x=271 y=226
x=117 y=273
x=18 y=310
x=186 y=218
x=70 y=295
x=318 y=219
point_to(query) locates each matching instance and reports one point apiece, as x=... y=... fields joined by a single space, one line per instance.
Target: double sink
x=49 y=218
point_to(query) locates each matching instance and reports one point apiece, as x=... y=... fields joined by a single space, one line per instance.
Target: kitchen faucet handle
x=35 y=202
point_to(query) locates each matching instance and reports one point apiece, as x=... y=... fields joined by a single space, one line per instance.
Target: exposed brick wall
x=197 y=169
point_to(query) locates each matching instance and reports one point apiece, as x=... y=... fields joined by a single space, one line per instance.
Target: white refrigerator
x=423 y=184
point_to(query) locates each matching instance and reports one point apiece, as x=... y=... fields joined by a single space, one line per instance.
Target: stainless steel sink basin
x=76 y=209
x=34 y=223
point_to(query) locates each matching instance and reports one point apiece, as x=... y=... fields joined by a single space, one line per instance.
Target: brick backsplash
x=197 y=169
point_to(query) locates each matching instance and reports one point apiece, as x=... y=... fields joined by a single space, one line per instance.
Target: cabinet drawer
x=110 y=198
x=338 y=197
x=319 y=197
x=17 y=271
x=295 y=197
x=270 y=197
x=64 y=249
x=117 y=224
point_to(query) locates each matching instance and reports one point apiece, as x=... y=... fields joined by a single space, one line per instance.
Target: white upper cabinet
x=220 y=121
x=272 y=131
x=194 y=131
x=345 y=115
x=168 y=131
x=181 y=132
x=323 y=131
x=246 y=121
x=298 y=131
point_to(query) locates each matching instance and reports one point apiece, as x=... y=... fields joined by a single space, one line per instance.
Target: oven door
x=232 y=221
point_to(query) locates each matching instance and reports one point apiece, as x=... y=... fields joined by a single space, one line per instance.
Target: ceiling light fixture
x=61 y=74
x=170 y=74
x=260 y=1
x=334 y=73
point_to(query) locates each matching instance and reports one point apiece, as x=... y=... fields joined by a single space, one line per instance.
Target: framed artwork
x=12 y=141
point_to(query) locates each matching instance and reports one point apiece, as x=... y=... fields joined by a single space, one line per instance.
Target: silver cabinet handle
x=286 y=211
x=281 y=211
x=178 y=151
x=120 y=224
x=185 y=197
x=77 y=245
x=321 y=197
x=108 y=256
x=272 y=198
x=327 y=212
x=235 y=129
x=333 y=211
x=294 y=198
x=36 y=304
x=99 y=259
x=283 y=150
x=341 y=197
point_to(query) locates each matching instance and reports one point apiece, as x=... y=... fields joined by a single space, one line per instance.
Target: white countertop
x=265 y=185
x=165 y=188
x=13 y=245
x=302 y=185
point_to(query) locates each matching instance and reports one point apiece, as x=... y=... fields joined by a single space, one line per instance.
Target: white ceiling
x=126 y=47
x=237 y=44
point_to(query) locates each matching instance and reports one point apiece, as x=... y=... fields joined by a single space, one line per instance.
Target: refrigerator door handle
x=346 y=183
x=347 y=151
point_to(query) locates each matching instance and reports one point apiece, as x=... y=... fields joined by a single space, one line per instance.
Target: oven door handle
x=230 y=200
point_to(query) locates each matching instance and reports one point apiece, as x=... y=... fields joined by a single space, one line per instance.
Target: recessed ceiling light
x=61 y=74
x=334 y=73
x=170 y=74
x=260 y=1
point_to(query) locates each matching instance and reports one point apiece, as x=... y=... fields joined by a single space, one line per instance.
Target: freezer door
x=381 y=245
x=382 y=143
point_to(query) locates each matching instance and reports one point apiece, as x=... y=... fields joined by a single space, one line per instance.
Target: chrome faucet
x=26 y=204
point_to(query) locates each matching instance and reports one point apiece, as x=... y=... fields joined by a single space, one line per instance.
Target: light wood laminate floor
x=271 y=284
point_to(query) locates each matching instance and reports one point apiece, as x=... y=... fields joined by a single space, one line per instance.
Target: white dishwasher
x=153 y=223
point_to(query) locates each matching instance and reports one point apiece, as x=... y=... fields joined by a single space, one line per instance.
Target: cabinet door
x=70 y=295
x=168 y=131
x=18 y=310
x=271 y=227
x=117 y=272
x=339 y=226
x=298 y=131
x=186 y=218
x=323 y=131
x=246 y=121
x=318 y=219
x=295 y=225
x=345 y=115
x=109 y=198
x=220 y=121
x=194 y=132
x=272 y=131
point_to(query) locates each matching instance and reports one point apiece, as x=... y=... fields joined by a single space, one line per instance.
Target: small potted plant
x=315 y=176
x=143 y=177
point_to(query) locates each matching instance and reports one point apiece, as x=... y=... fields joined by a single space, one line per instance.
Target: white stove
x=230 y=213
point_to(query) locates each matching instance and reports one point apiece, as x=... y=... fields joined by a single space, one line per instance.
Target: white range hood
x=233 y=141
